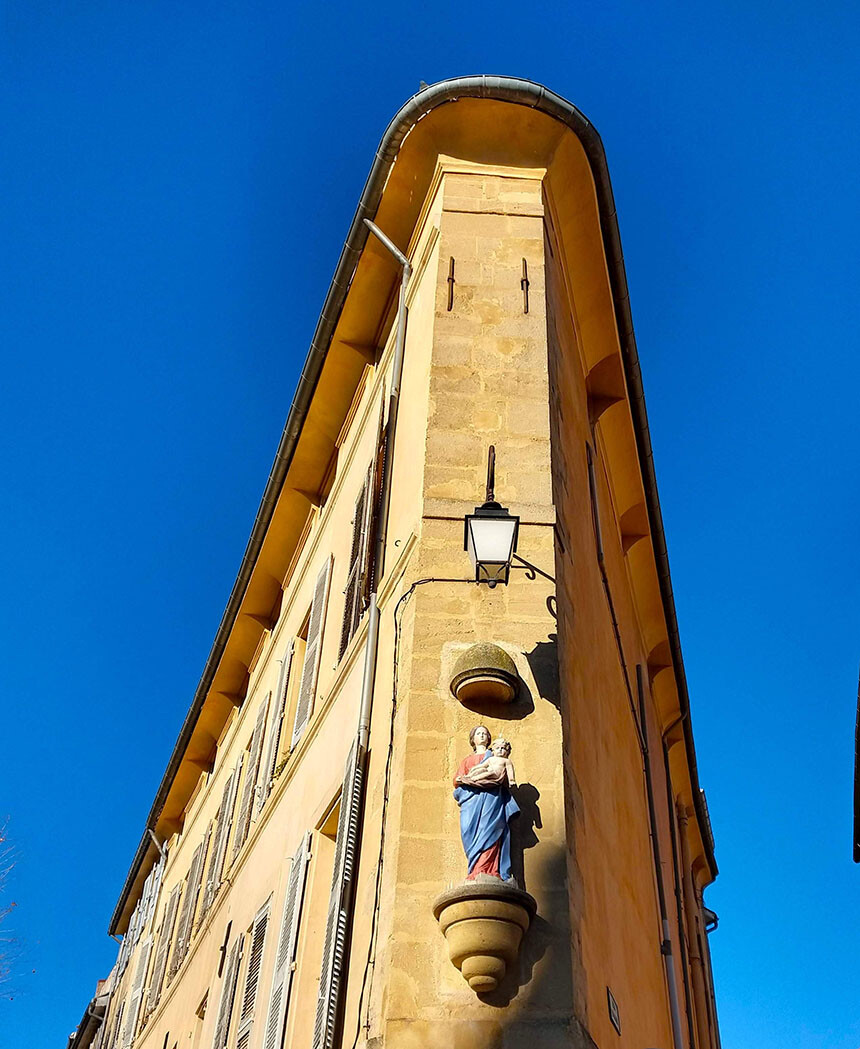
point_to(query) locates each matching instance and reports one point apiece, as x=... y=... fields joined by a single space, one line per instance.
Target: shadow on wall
x=523 y=828
x=543 y=663
x=543 y=978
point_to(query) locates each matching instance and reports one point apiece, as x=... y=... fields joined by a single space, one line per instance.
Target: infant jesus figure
x=497 y=770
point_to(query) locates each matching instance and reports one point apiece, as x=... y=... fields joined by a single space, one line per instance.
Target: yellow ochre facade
x=300 y=880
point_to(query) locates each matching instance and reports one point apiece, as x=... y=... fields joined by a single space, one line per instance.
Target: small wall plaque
x=614 y=1015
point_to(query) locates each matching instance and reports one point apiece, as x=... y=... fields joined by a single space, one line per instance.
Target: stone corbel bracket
x=484 y=674
x=484 y=922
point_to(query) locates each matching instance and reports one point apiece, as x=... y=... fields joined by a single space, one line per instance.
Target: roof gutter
x=84 y=1034
x=504 y=89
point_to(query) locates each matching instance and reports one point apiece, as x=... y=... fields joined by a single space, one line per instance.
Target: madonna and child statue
x=485 y=917
x=482 y=789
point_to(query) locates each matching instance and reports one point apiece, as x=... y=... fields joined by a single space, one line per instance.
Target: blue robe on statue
x=485 y=816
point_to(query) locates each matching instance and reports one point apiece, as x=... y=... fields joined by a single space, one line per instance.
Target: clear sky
x=177 y=180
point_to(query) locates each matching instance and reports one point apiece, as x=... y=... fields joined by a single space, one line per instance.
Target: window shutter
x=370 y=569
x=222 y=835
x=352 y=604
x=122 y=960
x=243 y=821
x=279 y=711
x=228 y=993
x=129 y=940
x=337 y=931
x=143 y=902
x=252 y=976
x=310 y=671
x=189 y=904
x=283 y=977
x=155 y=888
x=165 y=935
x=117 y=1026
x=208 y=883
x=136 y=995
x=99 y=1039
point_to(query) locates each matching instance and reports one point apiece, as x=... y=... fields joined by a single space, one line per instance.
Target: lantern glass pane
x=470 y=545
x=491 y=573
x=492 y=538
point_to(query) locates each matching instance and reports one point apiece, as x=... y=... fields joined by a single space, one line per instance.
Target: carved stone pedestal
x=483 y=922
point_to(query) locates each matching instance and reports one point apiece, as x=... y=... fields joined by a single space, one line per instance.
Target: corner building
x=300 y=879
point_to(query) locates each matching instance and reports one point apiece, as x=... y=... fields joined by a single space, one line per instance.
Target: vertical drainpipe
x=372 y=647
x=666 y=944
x=691 y=912
x=679 y=897
x=709 y=973
x=357 y=786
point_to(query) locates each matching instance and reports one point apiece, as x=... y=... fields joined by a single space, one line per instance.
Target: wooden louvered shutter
x=352 y=605
x=98 y=1041
x=222 y=835
x=208 y=883
x=134 y=1001
x=228 y=993
x=283 y=977
x=143 y=902
x=122 y=960
x=129 y=940
x=155 y=887
x=313 y=651
x=252 y=977
x=279 y=711
x=189 y=903
x=370 y=570
x=342 y=885
x=117 y=1026
x=165 y=935
x=243 y=820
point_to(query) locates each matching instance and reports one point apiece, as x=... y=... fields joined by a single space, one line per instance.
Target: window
x=113 y=1042
x=163 y=938
x=313 y=652
x=333 y=966
x=252 y=766
x=134 y=1001
x=279 y=706
x=228 y=994
x=354 y=603
x=189 y=904
x=279 y=998
x=256 y=937
x=200 y=1016
x=222 y=834
x=362 y=567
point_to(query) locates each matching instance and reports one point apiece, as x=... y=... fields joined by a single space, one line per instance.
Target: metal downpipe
x=691 y=910
x=666 y=945
x=372 y=647
x=356 y=788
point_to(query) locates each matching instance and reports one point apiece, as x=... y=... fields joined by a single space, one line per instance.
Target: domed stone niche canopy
x=484 y=674
x=484 y=922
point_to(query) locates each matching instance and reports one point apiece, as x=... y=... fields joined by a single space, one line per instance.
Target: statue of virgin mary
x=486 y=811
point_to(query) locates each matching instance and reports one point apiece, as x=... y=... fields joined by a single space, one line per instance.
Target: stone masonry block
x=425 y=810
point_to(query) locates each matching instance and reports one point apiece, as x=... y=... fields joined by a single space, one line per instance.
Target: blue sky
x=177 y=180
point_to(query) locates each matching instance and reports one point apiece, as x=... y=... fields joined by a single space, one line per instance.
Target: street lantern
x=491 y=535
